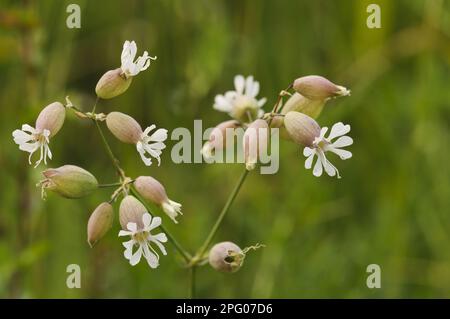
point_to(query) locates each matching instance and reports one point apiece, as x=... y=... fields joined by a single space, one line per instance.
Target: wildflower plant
x=146 y=235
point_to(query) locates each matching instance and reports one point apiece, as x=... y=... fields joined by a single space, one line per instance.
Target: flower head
x=322 y=144
x=241 y=103
x=48 y=123
x=152 y=144
x=153 y=191
x=128 y=130
x=30 y=140
x=143 y=239
x=131 y=67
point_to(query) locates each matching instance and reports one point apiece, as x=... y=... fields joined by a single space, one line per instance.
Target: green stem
x=219 y=220
x=192 y=271
x=187 y=257
x=109 y=185
x=109 y=151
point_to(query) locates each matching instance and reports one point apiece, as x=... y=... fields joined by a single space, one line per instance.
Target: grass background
x=390 y=208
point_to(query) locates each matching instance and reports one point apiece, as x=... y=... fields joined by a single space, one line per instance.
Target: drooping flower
x=316 y=87
x=129 y=66
x=152 y=190
x=128 y=130
x=143 y=239
x=48 y=123
x=241 y=103
x=322 y=144
x=152 y=144
x=304 y=130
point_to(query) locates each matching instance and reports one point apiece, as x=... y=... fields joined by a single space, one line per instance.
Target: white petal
x=262 y=102
x=28 y=128
x=343 y=154
x=157 y=243
x=222 y=104
x=161 y=237
x=338 y=129
x=132 y=227
x=323 y=131
x=255 y=89
x=309 y=161
x=156 y=221
x=249 y=85
x=239 y=83
x=307 y=151
x=342 y=141
x=151 y=258
x=125 y=233
x=317 y=171
x=21 y=137
x=136 y=257
x=159 y=136
x=146 y=220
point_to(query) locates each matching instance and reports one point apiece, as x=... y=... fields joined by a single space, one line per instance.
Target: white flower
x=321 y=145
x=241 y=103
x=152 y=144
x=142 y=238
x=129 y=66
x=30 y=140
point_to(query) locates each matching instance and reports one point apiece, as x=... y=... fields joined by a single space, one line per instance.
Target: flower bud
x=112 y=84
x=299 y=103
x=131 y=211
x=51 y=118
x=218 y=138
x=99 y=222
x=315 y=87
x=153 y=191
x=69 y=181
x=255 y=141
x=226 y=257
x=124 y=127
x=301 y=128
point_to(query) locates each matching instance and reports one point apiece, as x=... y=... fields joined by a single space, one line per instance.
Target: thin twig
x=219 y=220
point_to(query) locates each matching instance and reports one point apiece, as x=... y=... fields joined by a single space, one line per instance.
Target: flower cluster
x=295 y=119
x=73 y=182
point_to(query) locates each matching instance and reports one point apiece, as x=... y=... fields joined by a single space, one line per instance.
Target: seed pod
x=218 y=138
x=124 y=127
x=51 y=118
x=255 y=141
x=69 y=181
x=131 y=211
x=99 y=222
x=301 y=128
x=315 y=87
x=112 y=84
x=226 y=257
x=153 y=191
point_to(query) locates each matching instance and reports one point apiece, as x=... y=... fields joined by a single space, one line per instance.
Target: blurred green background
x=390 y=208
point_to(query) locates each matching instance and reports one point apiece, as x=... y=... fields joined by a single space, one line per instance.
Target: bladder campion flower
x=305 y=130
x=48 y=123
x=128 y=130
x=255 y=142
x=99 y=222
x=139 y=224
x=69 y=181
x=241 y=103
x=116 y=82
x=316 y=87
x=153 y=191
